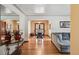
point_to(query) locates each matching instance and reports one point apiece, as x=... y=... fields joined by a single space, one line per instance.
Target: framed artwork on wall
x=64 y=24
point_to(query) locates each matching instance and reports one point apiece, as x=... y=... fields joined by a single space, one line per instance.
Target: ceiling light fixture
x=39 y=9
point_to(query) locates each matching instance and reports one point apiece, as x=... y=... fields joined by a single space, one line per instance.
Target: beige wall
x=42 y=21
x=74 y=29
x=15 y=25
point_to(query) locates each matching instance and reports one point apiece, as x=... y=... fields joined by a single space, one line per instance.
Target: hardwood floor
x=39 y=47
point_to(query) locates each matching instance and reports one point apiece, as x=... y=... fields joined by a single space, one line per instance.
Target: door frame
x=43 y=27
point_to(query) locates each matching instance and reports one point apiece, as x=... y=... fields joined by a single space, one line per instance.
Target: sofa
x=61 y=41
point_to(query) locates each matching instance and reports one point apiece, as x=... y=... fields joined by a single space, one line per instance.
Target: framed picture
x=64 y=24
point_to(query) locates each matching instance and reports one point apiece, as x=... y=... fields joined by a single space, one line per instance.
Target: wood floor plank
x=39 y=47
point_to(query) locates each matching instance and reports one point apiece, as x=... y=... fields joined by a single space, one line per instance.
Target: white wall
x=29 y=28
x=54 y=21
x=24 y=27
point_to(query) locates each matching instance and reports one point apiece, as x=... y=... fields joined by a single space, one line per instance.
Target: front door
x=39 y=28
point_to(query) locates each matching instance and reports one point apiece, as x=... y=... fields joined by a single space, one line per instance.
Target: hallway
x=39 y=47
x=35 y=19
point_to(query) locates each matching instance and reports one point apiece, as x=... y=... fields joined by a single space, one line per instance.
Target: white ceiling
x=50 y=9
x=3 y=11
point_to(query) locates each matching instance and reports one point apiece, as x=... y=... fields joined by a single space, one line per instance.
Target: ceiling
x=29 y=9
x=49 y=9
x=6 y=12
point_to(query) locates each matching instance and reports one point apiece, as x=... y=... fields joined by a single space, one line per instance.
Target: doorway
x=39 y=26
x=39 y=29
